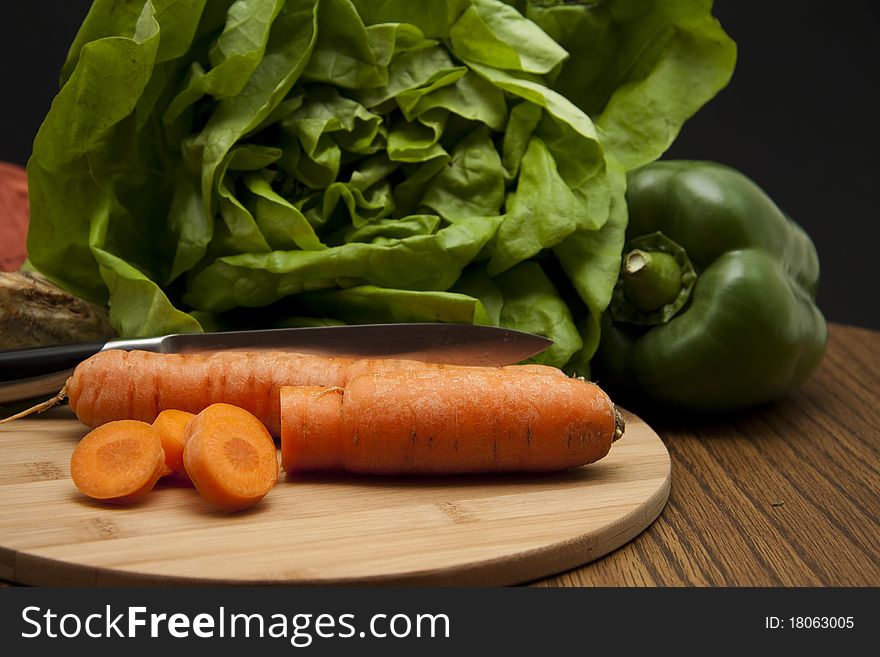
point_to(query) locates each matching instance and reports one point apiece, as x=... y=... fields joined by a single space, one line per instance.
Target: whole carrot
x=446 y=421
x=138 y=385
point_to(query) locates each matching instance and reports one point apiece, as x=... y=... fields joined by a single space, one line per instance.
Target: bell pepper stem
x=655 y=283
x=651 y=279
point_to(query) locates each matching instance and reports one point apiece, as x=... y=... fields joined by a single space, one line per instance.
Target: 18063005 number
x=821 y=622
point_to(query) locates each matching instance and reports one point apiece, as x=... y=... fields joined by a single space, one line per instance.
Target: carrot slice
x=230 y=457
x=118 y=462
x=171 y=426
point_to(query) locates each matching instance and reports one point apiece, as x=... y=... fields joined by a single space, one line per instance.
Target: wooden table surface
x=783 y=495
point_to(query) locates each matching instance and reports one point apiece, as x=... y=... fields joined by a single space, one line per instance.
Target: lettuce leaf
x=640 y=68
x=247 y=163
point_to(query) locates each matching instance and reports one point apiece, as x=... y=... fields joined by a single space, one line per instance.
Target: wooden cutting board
x=339 y=530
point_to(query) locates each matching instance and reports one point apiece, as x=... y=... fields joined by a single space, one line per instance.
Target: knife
x=29 y=373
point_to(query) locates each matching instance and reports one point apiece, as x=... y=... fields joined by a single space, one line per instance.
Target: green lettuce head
x=211 y=165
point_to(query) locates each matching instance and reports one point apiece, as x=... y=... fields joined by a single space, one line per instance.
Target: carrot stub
x=316 y=414
x=453 y=420
x=118 y=462
x=171 y=426
x=230 y=457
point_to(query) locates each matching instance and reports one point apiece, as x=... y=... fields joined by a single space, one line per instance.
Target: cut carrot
x=118 y=462
x=314 y=412
x=453 y=420
x=171 y=425
x=138 y=385
x=230 y=457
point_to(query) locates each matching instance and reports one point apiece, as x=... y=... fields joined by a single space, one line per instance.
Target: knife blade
x=28 y=373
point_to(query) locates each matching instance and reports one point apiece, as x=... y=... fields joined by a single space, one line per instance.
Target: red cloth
x=14 y=215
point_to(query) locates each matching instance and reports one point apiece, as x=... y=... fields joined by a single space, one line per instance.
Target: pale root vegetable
x=138 y=385
x=37 y=313
x=448 y=421
x=118 y=462
x=171 y=425
x=230 y=457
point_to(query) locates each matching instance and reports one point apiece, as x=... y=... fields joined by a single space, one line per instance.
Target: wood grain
x=488 y=530
x=784 y=495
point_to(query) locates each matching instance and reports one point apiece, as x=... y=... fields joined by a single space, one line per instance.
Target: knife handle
x=40 y=361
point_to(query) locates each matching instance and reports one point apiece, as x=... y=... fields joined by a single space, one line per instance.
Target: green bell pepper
x=714 y=308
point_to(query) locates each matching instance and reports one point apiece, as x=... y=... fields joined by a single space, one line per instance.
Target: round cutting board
x=329 y=530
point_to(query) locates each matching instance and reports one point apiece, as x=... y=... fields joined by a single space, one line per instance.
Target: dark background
x=800 y=117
